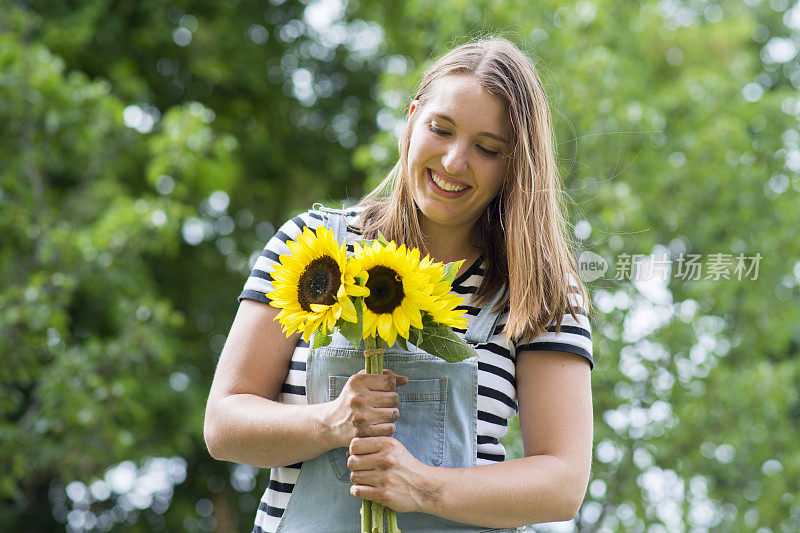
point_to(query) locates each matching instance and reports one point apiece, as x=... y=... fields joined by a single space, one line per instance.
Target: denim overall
x=438 y=425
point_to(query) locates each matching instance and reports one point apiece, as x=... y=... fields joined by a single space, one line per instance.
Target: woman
x=476 y=181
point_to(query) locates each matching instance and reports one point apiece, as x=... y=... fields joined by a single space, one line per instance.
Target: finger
x=400 y=380
x=385 y=399
x=356 y=378
x=388 y=414
x=381 y=382
x=367 y=492
x=372 y=478
x=366 y=445
x=385 y=429
x=361 y=463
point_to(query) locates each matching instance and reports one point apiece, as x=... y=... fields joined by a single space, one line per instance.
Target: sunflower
x=313 y=284
x=398 y=290
x=443 y=302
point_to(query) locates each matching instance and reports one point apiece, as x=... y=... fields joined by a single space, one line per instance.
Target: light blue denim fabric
x=438 y=425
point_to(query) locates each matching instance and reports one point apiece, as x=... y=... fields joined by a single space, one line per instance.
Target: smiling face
x=456 y=153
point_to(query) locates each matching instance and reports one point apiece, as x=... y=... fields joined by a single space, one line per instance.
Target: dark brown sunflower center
x=385 y=290
x=319 y=283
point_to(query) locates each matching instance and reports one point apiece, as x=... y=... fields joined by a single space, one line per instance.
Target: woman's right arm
x=244 y=423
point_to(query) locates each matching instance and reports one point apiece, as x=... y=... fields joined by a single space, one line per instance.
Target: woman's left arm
x=547 y=485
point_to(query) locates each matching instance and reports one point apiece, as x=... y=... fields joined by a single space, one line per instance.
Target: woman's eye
x=444 y=133
x=487 y=152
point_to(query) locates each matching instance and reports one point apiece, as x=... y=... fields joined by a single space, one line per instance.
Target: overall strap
x=482 y=328
x=335 y=221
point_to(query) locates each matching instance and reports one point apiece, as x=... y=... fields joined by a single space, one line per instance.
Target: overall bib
x=437 y=424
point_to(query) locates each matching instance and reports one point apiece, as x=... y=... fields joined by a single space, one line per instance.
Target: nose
x=454 y=160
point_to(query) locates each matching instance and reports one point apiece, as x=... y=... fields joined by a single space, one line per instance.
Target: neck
x=446 y=244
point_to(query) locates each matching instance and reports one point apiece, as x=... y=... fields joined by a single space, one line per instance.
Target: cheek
x=422 y=149
x=501 y=178
x=416 y=151
x=412 y=159
x=495 y=179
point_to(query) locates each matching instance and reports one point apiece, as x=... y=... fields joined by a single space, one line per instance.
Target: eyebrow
x=481 y=134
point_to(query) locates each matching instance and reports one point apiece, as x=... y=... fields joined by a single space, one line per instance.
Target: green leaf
x=319 y=339
x=353 y=331
x=402 y=342
x=451 y=270
x=382 y=239
x=365 y=242
x=443 y=342
x=415 y=336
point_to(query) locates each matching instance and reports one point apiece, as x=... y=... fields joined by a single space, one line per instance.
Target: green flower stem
x=391 y=519
x=366 y=516
x=377 y=518
x=371 y=512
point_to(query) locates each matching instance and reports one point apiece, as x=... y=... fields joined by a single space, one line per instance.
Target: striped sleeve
x=259 y=283
x=575 y=336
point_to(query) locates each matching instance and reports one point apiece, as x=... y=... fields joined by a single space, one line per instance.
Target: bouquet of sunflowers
x=381 y=295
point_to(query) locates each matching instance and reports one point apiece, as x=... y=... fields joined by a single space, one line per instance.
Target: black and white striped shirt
x=497 y=394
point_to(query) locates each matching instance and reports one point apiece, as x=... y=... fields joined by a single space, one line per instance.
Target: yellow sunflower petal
x=357 y=290
x=385 y=329
x=332 y=317
x=348 y=309
x=414 y=315
x=370 y=323
x=308 y=330
x=401 y=321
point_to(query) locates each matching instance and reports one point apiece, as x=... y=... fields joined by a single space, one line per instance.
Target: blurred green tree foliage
x=149 y=149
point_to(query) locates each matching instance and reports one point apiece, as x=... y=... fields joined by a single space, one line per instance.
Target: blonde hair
x=523 y=232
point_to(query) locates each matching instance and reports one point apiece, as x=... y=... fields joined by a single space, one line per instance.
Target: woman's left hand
x=383 y=471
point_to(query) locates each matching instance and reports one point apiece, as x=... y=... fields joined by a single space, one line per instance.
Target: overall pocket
x=421 y=427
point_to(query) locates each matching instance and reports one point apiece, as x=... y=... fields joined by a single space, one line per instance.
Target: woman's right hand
x=367 y=407
x=245 y=423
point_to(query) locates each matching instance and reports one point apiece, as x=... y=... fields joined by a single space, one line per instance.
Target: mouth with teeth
x=445 y=187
